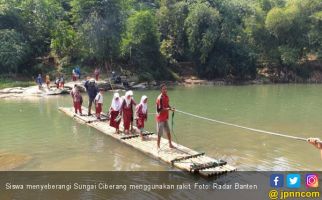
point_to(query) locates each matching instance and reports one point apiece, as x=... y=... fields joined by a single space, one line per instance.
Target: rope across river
x=243 y=127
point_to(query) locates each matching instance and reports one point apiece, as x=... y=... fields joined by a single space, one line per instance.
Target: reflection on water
x=56 y=142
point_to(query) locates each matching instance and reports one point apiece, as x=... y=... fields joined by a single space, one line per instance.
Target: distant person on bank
x=39 y=81
x=97 y=73
x=61 y=82
x=74 y=75
x=78 y=72
x=162 y=116
x=141 y=114
x=99 y=103
x=114 y=111
x=47 y=81
x=57 y=81
x=127 y=111
x=77 y=99
x=317 y=143
x=92 y=91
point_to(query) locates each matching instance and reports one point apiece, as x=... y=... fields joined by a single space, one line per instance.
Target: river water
x=36 y=128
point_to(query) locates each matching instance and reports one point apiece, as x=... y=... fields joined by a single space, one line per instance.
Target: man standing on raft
x=162 y=116
x=92 y=92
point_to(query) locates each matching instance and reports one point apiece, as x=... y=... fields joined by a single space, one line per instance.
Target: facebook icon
x=277 y=180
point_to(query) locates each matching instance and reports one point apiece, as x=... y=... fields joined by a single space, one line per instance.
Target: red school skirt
x=113 y=123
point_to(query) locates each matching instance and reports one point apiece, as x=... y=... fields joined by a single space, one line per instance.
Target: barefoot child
x=141 y=114
x=115 y=111
x=77 y=99
x=127 y=111
x=99 y=103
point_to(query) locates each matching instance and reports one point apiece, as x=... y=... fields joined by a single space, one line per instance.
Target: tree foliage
x=222 y=38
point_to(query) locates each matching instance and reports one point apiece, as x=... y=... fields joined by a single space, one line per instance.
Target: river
x=56 y=142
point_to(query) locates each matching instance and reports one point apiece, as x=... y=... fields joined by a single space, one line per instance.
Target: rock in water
x=10 y=161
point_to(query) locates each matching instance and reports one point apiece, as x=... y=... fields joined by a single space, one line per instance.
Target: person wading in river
x=127 y=111
x=77 y=99
x=317 y=143
x=162 y=116
x=114 y=111
x=141 y=114
x=92 y=92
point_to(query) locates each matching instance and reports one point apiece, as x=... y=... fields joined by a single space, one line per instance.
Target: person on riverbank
x=39 y=81
x=47 y=80
x=127 y=111
x=97 y=73
x=141 y=114
x=77 y=99
x=78 y=72
x=92 y=91
x=317 y=143
x=114 y=111
x=57 y=81
x=162 y=116
x=61 y=82
x=74 y=75
x=99 y=103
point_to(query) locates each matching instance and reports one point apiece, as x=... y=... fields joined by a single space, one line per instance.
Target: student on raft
x=99 y=103
x=77 y=99
x=115 y=111
x=134 y=103
x=127 y=110
x=162 y=116
x=141 y=114
x=316 y=142
x=47 y=81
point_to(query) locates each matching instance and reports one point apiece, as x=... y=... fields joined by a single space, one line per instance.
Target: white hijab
x=144 y=105
x=116 y=104
x=128 y=100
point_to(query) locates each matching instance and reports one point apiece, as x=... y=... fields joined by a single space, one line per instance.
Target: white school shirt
x=99 y=98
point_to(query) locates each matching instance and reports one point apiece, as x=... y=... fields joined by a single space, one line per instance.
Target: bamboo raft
x=180 y=157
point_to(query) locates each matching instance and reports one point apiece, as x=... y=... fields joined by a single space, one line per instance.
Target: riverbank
x=13 y=88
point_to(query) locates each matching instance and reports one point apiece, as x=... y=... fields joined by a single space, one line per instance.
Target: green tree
x=140 y=43
x=203 y=29
x=99 y=25
x=13 y=50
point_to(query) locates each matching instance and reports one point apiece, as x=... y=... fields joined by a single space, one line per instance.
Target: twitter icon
x=293 y=180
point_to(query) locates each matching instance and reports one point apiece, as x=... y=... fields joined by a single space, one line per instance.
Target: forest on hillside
x=156 y=39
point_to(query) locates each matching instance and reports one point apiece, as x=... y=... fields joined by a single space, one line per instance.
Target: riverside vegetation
x=164 y=39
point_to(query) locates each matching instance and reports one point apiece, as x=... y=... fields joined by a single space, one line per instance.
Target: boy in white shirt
x=99 y=103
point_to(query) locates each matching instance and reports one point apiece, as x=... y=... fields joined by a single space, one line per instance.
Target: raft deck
x=180 y=157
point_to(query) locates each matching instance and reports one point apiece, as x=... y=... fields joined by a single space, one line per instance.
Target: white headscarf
x=144 y=105
x=116 y=104
x=127 y=100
